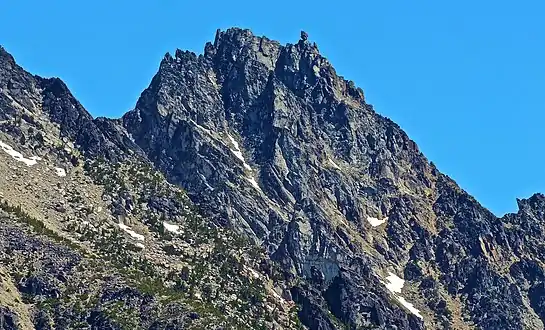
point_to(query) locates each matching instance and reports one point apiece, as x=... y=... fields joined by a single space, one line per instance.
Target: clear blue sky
x=465 y=78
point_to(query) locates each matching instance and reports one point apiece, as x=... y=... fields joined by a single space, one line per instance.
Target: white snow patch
x=254 y=183
x=394 y=285
x=409 y=306
x=238 y=153
x=333 y=164
x=376 y=222
x=140 y=245
x=133 y=234
x=18 y=156
x=172 y=228
x=60 y=172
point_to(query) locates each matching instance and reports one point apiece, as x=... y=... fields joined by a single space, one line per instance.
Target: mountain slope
x=340 y=216
x=94 y=237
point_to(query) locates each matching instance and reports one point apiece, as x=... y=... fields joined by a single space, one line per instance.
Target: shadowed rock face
x=8 y=320
x=271 y=143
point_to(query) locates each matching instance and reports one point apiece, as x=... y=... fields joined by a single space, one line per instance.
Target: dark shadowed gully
x=251 y=187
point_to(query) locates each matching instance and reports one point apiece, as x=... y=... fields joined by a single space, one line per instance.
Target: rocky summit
x=251 y=187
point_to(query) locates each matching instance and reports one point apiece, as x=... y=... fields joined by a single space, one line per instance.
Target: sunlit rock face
x=251 y=184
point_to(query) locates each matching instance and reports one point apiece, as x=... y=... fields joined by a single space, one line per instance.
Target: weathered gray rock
x=271 y=143
x=324 y=161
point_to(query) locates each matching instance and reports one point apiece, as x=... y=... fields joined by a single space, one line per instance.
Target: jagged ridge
x=267 y=139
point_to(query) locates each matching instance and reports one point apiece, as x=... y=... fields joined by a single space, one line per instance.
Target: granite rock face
x=342 y=221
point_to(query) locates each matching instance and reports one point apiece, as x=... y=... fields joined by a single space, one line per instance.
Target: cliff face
x=349 y=224
x=92 y=236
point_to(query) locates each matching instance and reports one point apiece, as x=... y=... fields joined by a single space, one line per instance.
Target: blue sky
x=464 y=78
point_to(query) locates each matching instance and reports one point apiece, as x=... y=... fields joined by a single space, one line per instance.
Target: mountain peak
x=275 y=147
x=6 y=59
x=4 y=53
x=533 y=204
x=232 y=33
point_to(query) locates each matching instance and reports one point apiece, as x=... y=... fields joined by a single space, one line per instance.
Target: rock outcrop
x=310 y=208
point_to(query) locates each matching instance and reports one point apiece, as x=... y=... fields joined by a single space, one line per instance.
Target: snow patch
x=140 y=245
x=376 y=222
x=129 y=231
x=18 y=156
x=172 y=228
x=238 y=153
x=333 y=164
x=60 y=172
x=254 y=183
x=409 y=306
x=394 y=285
